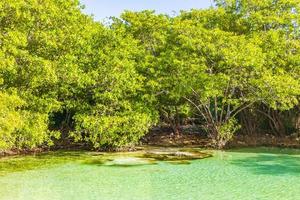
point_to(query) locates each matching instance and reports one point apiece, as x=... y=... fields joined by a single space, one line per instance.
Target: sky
x=102 y=9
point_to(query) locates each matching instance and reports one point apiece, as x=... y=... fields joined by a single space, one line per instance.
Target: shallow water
x=259 y=173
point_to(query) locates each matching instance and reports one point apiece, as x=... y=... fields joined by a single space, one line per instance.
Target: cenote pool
x=158 y=174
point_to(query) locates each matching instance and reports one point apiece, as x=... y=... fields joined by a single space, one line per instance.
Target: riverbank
x=14 y=152
x=164 y=137
x=188 y=138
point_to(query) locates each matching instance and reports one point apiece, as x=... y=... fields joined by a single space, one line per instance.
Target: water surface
x=258 y=173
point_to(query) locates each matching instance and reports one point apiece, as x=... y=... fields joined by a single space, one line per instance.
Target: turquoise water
x=258 y=173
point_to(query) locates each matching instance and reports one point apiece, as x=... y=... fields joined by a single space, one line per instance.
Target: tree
x=154 y=35
x=109 y=111
x=34 y=38
x=238 y=70
x=62 y=72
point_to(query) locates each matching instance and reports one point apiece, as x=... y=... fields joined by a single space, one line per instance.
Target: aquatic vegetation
x=147 y=157
x=130 y=159
x=176 y=156
x=39 y=161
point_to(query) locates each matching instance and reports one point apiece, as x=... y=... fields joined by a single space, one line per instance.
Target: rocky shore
x=188 y=138
x=192 y=137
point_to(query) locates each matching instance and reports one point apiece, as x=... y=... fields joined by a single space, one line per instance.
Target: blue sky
x=102 y=9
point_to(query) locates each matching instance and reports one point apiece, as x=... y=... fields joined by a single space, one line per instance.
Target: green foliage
x=21 y=128
x=34 y=38
x=226 y=132
x=10 y=119
x=62 y=72
x=112 y=131
x=108 y=102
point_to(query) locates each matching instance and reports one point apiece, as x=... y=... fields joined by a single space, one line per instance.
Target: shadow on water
x=266 y=150
x=270 y=164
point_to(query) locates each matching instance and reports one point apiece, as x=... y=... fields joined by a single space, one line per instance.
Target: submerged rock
x=149 y=157
x=130 y=161
x=121 y=161
x=178 y=155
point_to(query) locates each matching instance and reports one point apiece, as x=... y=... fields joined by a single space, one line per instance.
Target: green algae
x=173 y=156
x=39 y=161
x=120 y=159
x=176 y=156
